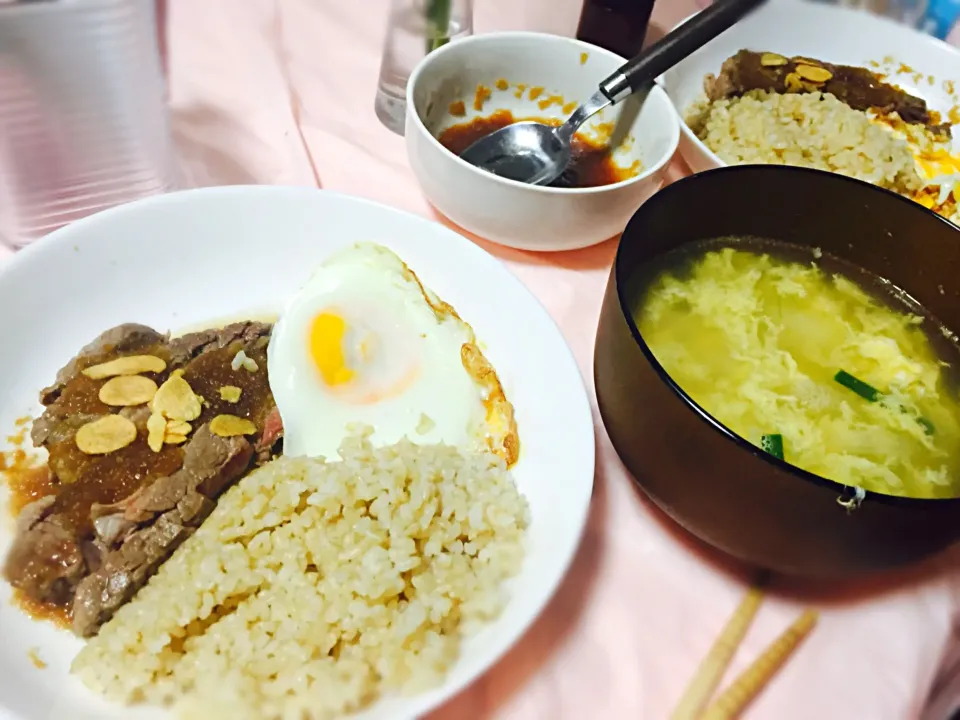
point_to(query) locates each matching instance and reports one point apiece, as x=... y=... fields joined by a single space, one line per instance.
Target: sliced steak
x=109 y=527
x=858 y=87
x=34 y=513
x=126 y=339
x=112 y=519
x=137 y=415
x=186 y=347
x=167 y=512
x=46 y=562
x=56 y=426
x=208 y=465
x=203 y=356
x=270 y=437
x=61 y=419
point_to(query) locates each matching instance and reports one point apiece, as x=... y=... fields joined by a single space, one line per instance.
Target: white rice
x=315 y=587
x=814 y=130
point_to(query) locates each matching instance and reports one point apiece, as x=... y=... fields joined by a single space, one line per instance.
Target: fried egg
x=364 y=342
x=940 y=170
x=937 y=163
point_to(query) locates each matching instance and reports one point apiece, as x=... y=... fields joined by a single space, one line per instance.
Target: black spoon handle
x=675 y=46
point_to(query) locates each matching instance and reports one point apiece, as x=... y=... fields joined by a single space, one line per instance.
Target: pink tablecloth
x=281 y=91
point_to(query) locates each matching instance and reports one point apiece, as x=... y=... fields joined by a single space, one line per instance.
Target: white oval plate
x=825 y=32
x=178 y=260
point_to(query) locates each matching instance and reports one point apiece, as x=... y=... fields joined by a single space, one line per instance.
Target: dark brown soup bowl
x=718 y=486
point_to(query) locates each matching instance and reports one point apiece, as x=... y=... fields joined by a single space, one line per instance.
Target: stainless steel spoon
x=537 y=154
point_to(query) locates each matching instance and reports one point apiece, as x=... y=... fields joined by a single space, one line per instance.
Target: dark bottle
x=617 y=25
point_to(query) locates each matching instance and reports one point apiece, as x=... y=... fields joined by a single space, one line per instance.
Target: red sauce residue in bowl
x=591 y=165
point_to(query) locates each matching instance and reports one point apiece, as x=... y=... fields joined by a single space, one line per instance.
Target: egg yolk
x=327 y=332
x=938 y=162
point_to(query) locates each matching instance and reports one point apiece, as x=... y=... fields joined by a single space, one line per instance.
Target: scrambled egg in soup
x=805 y=364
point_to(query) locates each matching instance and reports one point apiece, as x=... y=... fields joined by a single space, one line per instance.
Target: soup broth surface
x=847 y=375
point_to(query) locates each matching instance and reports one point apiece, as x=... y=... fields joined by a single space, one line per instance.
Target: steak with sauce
x=137 y=534
x=857 y=87
x=110 y=520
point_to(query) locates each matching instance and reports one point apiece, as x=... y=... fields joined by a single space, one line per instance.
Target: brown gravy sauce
x=592 y=164
x=59 y=615
x=79 y=480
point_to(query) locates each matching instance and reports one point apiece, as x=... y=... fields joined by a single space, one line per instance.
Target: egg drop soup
x=817 y=362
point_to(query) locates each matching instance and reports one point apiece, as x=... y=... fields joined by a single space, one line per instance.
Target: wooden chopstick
x=712 y=668
x=745 y=688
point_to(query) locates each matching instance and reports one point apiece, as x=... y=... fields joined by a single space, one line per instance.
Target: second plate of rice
x=814 y=128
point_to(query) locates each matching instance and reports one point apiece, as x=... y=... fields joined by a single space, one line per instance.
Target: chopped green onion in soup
x=772 y=444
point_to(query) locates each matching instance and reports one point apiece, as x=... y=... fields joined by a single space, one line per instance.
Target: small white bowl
x=511 y=213
x=824 y=32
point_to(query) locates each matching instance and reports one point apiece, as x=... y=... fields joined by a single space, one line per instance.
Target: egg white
x=401 y=371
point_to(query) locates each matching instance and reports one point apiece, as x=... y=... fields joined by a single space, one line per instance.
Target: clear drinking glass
x=84 y=123
x=415 y=28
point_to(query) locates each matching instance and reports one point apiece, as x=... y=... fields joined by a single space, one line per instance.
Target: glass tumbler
x=84 y=122
x=415 y=28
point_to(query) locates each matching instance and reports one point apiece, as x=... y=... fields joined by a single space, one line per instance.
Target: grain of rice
x=316 y=587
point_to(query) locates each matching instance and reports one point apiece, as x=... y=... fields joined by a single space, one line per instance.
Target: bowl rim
x=826 y=9
x=657 y=91
x=620 y=274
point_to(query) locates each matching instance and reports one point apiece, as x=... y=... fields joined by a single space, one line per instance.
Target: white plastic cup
x=84 y=123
